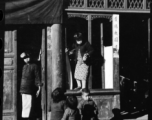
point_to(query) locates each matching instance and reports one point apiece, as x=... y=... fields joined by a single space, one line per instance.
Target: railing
x=110 y=4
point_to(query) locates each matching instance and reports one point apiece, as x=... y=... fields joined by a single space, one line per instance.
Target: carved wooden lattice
x=148 y=4
x=96 y=3
x=116 y=4
x=76 y=3
x=135 y=4
x=111 y=4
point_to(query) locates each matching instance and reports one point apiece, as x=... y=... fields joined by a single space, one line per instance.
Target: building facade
x=117 y=30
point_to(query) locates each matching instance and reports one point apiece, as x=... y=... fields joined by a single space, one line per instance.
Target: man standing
x=30 y=86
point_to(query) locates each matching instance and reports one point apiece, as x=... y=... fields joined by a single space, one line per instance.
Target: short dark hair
x=72 y=102
x=85 y=90
x=57 y=95
x=78 y=36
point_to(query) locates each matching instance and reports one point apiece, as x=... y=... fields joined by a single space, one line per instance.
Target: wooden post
x=57 y=59
x=85 y=4
x=102 y=53
x=105 y=4
x=115 y=27
x=43 y=93
x=49 y=70
x=15 y=71
x=125 y=4
x=90 y=41
x=150 y=64
x=54 y=61
x=144 y=4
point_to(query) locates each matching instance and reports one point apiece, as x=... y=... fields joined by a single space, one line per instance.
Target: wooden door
x=10 y=76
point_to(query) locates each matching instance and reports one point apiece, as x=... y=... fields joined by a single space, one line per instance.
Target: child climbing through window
x=72 y=112
x=82 y=51
x=57 y=104
x=87 y=107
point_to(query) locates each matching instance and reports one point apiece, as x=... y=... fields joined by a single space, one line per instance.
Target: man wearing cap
x=30 y=85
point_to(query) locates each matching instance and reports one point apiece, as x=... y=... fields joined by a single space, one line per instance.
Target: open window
x=103 y=35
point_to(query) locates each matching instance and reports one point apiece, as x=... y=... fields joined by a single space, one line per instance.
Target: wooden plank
x=102 y=53
x=115 y=41
x=116 y=73
x=100 y=10
x=14 y=41
x=43 y=93
x=10 y=76
x=8 y=91
x=10 y=41
x=8 y=55
x=6 y=42
x=90 y=41
x=8 y=67
x=49 y=69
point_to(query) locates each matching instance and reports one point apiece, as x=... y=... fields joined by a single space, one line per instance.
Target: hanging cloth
x=33 y=11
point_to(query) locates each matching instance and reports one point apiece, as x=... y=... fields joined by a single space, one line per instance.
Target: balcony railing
x=142 y=5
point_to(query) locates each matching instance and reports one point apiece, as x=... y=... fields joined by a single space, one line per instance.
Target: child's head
x=72 y=102
x=57 y=95
x=78 y=37
x=85 y=94
x=26 y=56
x=27 y=60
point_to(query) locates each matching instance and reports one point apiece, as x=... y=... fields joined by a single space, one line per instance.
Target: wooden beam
x=108 y=10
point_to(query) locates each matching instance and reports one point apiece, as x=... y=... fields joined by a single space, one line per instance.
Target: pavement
x=145 y=117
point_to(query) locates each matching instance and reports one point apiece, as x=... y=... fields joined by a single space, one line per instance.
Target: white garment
x=26 y=105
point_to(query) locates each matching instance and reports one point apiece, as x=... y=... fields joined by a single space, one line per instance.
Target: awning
x=33 y=11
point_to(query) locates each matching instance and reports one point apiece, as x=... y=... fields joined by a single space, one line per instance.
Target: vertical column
x=43 y=91
x=90 y=41
x=54 y=61
x=115 y=27
x=105 y=4
x=102 y=53
x=14 y=39
x=85 y=3
x=150 y=64
x=125 y=4
x=144 y=4
x=57 y=59
x=49 y=70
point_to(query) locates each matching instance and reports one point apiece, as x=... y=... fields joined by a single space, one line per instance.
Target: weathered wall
x=105 y=104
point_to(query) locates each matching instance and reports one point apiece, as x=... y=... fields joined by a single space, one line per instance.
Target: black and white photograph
x=75 y=59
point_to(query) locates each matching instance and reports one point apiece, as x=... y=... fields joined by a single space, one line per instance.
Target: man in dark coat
x=30 y=85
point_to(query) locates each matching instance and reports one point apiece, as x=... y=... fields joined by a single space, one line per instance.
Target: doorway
x=28 y=39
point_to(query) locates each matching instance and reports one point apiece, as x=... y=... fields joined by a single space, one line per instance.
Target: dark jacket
x=71 y=114
x=88 y=109
x=57 y=109
x=84 y=48
x=30 y=79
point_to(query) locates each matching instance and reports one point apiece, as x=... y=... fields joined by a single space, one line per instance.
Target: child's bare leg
x=78 y=84
x=83 y=84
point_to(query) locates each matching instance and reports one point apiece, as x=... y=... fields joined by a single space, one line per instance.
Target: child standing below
x=87 y=107
x=30 y=86
x=83 y=51
x=57 y=104
x=72 y=112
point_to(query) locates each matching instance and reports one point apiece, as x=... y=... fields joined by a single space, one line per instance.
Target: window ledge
x=94 y=92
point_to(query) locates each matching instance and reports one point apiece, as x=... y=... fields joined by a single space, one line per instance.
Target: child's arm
x=80 y=107
x=95 y=108
x=65 y=115
x=89 y=49
x=37 y=80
